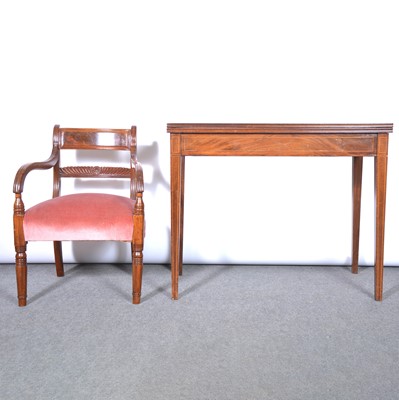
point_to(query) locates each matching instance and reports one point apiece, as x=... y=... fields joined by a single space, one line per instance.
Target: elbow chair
x=82 y=216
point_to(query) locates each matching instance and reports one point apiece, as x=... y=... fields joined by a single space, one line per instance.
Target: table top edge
x=278 y=128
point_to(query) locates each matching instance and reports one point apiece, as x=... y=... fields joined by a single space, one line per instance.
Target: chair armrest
x=137 y=179
x=23 y=171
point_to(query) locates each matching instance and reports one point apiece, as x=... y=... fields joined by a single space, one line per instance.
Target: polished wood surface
x=83 y=139
x=338 y=140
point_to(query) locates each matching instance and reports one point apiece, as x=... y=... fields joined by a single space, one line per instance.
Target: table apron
x=274 y=144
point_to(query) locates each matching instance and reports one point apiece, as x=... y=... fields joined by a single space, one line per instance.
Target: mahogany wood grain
x=302 y=144
x=333 y=140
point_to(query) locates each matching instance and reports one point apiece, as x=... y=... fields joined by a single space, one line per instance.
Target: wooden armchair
x=82 y=216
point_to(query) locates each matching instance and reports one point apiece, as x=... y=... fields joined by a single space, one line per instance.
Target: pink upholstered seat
x=83 y=216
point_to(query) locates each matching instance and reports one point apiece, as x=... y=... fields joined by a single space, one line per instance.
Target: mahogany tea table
x=339 y=140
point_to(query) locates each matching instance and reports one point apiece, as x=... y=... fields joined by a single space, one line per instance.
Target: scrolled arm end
x=23 y=171
x=137 y=179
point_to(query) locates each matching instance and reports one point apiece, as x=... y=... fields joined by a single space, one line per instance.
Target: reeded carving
x=86 y=172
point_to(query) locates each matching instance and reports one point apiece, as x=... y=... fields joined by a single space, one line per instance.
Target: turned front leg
x=22 y=275
x=137 y=247
x=20 y=250
x=137 y=275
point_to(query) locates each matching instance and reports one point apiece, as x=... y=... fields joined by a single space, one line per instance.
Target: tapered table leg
x=176 y=220
x=357 y=170
x=380 y=181
x=182 y=173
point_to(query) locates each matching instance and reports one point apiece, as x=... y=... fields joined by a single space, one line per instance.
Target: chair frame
x=83 y=139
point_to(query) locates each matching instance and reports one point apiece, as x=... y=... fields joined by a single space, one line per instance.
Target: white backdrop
x=146 y=63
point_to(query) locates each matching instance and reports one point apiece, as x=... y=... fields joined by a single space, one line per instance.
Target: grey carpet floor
x=237 y=332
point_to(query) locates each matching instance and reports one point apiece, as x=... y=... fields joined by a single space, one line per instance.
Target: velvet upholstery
x=81 y=216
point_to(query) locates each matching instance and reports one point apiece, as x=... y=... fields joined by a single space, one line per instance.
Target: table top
x=205 y=128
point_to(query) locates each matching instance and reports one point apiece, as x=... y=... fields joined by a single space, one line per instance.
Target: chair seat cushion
x=81 y=216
